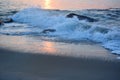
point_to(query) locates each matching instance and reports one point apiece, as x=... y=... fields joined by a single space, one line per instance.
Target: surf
x=34 y=21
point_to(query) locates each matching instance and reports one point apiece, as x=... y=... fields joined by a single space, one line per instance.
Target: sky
x=72 y=4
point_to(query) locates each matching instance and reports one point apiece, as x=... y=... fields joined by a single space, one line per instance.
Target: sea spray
x=106 y=31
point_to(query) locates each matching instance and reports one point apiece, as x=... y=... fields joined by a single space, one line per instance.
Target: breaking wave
x=32 y=21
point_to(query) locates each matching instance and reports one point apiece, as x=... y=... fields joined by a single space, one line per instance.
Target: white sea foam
x=106 y=31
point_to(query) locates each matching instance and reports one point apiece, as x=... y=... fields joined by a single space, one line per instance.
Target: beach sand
x=31 y=58
x=39 y=45
x=26 y=66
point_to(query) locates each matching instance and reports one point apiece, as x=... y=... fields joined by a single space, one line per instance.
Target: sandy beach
x=26 y=66
x=39 y=45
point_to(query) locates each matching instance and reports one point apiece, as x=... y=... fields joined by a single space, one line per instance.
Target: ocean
x=53 y=25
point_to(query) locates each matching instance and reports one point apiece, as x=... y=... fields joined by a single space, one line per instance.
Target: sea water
x=31 y=21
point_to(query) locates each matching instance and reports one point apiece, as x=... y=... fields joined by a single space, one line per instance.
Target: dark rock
x=1 y=22
x=8 y=20
x=81 y=17
x=48 y=30
x=5 y=20
x=14 y=12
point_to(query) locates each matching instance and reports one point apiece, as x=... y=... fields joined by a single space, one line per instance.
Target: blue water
x=32 y=21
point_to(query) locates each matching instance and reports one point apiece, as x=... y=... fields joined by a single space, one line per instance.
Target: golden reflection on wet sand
x=31 y=45
x=25 y=45
x=48 y=47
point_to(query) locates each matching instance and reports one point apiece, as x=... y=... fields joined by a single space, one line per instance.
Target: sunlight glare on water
x=47 y=4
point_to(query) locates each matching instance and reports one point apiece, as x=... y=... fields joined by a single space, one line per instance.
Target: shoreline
x=38 y=45
x=26 y=66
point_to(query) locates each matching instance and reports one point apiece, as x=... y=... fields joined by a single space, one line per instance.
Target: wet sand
x=31 y=58
x=26 y=66
x=39 y=45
